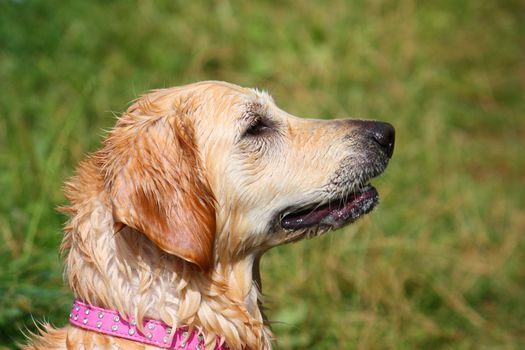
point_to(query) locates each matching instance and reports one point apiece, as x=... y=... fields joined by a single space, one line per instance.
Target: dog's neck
x=126 y=272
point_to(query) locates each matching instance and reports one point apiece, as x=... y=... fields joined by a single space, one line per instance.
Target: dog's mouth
x=333 y=214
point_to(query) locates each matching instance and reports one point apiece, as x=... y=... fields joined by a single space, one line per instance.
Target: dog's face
x=233 y=174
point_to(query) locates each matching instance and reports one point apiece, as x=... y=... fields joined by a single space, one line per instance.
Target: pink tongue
x=293 y=222
x=356 y=205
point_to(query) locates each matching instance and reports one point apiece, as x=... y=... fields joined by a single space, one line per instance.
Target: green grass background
x=439 y=264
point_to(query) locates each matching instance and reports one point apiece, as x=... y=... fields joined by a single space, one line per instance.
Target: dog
x=169 y=218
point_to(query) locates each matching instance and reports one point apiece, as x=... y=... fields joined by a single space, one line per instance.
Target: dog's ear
x=155 y=181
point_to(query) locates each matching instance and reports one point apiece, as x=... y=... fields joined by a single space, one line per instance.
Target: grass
x=440 y=263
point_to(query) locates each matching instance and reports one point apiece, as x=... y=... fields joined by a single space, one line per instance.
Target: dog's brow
x=253 y=109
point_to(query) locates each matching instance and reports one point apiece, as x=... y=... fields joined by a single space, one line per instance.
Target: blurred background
x=439 y=264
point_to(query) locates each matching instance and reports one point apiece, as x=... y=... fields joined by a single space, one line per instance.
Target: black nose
x=382 y=133
x=385 y=135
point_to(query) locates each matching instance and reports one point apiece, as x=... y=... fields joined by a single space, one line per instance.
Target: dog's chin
x=317 y=218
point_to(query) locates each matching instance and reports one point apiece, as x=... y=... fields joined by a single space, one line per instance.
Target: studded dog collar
x=157 y=333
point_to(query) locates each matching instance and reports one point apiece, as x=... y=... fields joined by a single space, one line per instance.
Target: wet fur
x=155 y=229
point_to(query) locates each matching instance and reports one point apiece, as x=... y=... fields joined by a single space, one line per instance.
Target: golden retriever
x=168 y=220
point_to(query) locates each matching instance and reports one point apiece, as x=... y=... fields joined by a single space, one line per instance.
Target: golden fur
x=169 y=218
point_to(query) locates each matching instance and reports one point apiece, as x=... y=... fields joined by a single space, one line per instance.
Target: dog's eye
x=257 y=127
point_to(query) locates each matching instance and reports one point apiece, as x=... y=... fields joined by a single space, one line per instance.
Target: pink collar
x=158 y=333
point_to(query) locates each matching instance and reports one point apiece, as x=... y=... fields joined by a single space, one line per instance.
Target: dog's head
x=213 y=171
